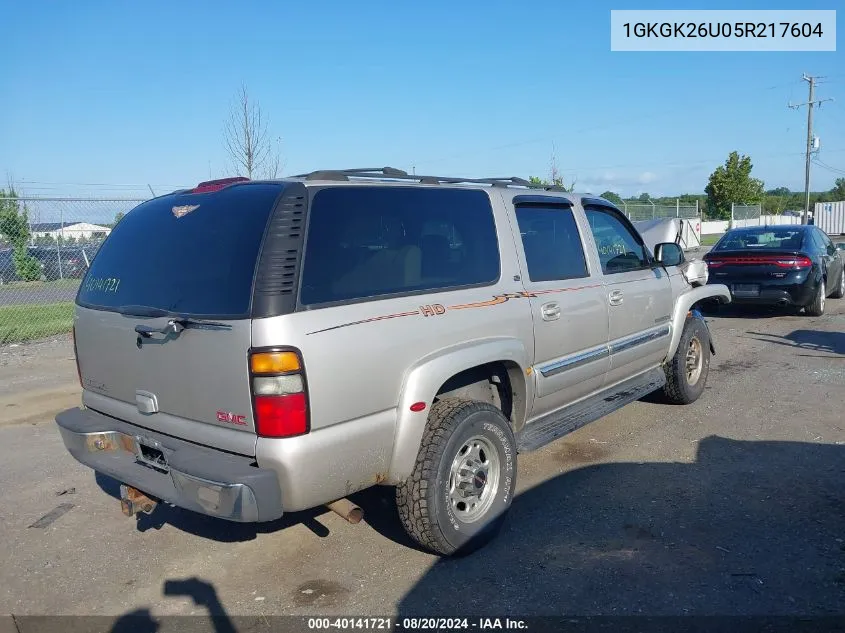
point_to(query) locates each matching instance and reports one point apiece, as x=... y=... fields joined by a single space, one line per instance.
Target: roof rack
x=399 y=174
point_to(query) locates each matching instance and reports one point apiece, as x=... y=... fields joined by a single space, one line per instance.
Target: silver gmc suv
x=248 y=348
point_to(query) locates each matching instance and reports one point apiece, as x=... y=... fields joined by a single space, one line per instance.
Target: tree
x=644 y=197
x=838 y=191
x=247 y=139
x=555 y=178
x=118 y=217
x=732 y=183
x=779 y=191
x=615 y=198
x=556 y=182
x=14 y=226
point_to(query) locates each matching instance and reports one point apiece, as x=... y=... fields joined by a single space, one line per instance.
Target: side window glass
x=827 y=243
x=552 y=244
x=367 y=242
x=619 y=249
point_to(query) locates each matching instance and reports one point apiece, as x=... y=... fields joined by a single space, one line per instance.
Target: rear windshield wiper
x=142 y=311
x=176 y=325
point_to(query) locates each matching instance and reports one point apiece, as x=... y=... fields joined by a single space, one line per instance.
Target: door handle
x=615 y=298
x=550 y=311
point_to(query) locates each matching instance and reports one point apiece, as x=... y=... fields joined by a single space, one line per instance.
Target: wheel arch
x=493 y=371
x=686 y=302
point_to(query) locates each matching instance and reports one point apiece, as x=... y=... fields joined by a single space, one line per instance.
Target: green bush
x=26 y=265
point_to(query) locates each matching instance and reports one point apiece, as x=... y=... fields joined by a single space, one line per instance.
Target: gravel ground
x=733 y=505
x=37 y=365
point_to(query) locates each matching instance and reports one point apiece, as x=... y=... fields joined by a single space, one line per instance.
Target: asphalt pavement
x=38 y=293
x=734 y=505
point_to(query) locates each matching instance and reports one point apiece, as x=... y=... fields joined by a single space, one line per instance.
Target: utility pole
x=810 y=103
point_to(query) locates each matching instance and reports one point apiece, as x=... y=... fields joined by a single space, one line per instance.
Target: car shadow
x=813 y=340
x=212 y=528
x=749 y=528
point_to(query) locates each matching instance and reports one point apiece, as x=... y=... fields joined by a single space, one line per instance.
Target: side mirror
x=840 y=246
x=669 y=254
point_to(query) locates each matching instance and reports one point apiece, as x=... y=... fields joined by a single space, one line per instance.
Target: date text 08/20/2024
x=416 y=624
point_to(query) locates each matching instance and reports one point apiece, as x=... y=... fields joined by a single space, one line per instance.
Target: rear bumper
x=786 y=293
x=792 y=296
x=195 y=478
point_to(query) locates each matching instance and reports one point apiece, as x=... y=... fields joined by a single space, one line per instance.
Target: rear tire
x=464 y=479
x=816 y=307
x=686 y=373
x=840 y=290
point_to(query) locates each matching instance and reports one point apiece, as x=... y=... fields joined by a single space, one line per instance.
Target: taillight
x=781 y=261
x=280 y=398
x=795 y=262
x=76 y=358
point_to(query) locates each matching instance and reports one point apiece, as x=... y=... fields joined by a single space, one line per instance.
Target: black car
x=64 y=263
x=794 y=265
x=8 y=271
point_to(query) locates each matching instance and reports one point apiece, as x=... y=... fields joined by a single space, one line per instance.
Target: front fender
x=683 y=305
x=423 y=381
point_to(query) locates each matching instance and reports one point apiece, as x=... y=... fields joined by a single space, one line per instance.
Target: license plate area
x=746 y=290
x=150 y=453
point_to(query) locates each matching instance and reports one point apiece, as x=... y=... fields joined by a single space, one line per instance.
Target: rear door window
x=187 y=254
x=375 y=241
x=551 y=243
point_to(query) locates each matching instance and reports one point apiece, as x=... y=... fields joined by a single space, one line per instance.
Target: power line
x=823 y=165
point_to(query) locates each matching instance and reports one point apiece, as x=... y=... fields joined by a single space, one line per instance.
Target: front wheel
x=464 y=479
x=686 y=373
x=816 y=307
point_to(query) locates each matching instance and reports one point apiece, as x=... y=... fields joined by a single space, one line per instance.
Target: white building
x=76 y=230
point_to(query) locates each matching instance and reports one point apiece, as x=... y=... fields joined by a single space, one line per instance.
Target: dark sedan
x=794 y=265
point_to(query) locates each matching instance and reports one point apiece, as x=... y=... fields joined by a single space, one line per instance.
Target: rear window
x=373 y=241
x=762 y=239
x=199 y=264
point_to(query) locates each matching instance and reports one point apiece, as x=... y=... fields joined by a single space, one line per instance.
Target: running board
x=564 y=421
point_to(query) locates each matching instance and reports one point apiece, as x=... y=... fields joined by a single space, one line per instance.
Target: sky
x=112 y=98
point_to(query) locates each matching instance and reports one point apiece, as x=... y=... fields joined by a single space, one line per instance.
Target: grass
x=22 y=323
x=709 y=240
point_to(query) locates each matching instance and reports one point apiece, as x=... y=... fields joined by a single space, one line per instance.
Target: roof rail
x=361 y=172
x=399 y=174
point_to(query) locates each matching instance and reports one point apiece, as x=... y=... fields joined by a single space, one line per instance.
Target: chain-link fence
x=746 y=215
x=46 y=250
x=46 y=247
x=649 y=211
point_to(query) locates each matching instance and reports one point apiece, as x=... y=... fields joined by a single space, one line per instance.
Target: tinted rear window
x=761 y=239
x=373 y=241
x=200 y=264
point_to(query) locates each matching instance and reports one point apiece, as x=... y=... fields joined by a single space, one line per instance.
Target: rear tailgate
x=187 y=259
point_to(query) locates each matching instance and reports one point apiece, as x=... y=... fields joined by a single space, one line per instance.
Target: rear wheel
x=816 y=307
x=686 y=373
x=463 y=482
x=840 y=289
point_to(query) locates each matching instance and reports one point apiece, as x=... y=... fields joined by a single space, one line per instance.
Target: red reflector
x=418 y=406
x=281 y=416
x=215 y=185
